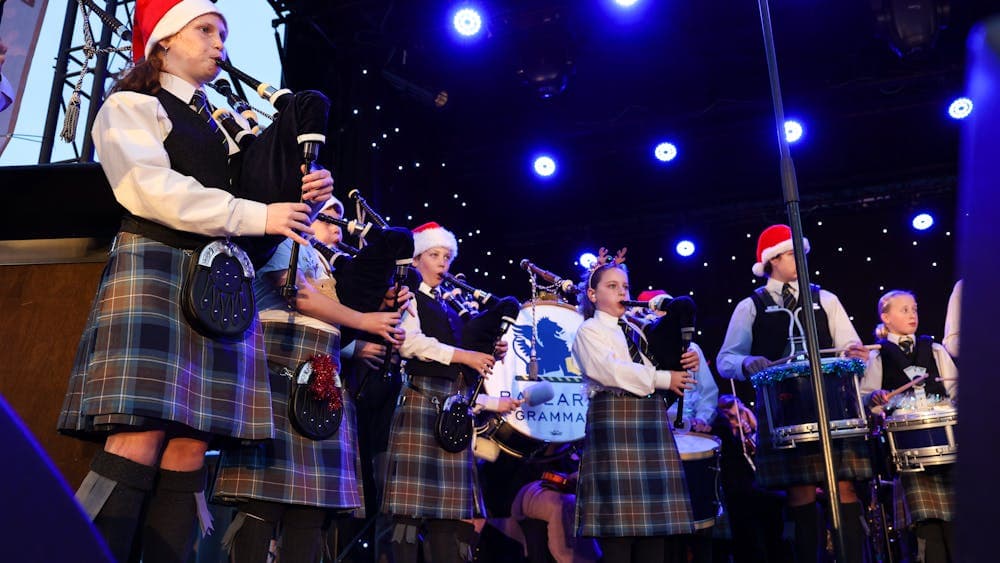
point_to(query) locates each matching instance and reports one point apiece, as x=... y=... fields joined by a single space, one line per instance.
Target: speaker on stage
x=42 y=521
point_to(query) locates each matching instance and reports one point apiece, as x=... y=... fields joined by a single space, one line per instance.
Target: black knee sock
x=302 y=534
x=806 y=519
x=168 y=535
x=404 y=538
x=451 y=541
x=853 y=531
x=616 y=550
x=119 y=512
x=249 y=536
x=934 y=536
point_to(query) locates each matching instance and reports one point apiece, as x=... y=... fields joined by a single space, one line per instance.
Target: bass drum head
x=562 y=418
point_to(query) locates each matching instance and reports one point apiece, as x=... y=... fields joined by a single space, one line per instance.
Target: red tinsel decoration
x=324 y=381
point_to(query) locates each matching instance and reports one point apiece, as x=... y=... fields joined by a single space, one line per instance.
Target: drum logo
x=555 y=362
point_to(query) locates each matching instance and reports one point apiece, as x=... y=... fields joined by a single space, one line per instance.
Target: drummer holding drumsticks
x=924 y=499
x=759 y=334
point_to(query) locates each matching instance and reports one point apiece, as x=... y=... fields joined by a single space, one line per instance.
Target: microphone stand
x=790 y=192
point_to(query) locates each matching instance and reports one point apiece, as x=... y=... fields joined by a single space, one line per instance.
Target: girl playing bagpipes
x=155 y=388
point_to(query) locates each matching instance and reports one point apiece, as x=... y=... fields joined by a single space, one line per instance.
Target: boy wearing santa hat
x=758 y=335
x=427 y=488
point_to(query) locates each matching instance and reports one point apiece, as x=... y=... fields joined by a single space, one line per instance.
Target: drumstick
x=898 y=390
x=824 y=351
x=945 y=379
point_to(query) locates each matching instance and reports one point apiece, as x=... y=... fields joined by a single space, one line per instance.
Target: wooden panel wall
x=42 y=312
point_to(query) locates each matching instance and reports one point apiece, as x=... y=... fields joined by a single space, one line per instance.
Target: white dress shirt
x=602 y=353
x=128 y=133
x=417 y=344
x=872 y=379
x=952 y=320
x=699 y=401
x=272 y=306
x=739 y=336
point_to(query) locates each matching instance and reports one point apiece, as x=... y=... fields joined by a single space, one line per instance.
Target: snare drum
x=551 y=428
x=920 y=438
x=700 y=458
x=785 y=393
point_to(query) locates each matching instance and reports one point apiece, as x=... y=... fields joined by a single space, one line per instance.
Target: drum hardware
x=923 y=438
x=789 y=404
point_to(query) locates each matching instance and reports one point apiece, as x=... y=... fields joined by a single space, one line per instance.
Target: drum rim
x=949 y=414
x=550 y=303
x=699 y=455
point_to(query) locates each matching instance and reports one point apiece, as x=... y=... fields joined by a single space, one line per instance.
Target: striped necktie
x=199 y=103
x=630 y=340
x=788 y=300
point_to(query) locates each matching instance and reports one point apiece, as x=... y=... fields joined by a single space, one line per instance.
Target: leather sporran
x=315 y=399
x=217 y=295
x=453 y=428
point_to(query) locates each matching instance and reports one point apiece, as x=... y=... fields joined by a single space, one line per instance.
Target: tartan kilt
x=926 y=495
x=139 y=363
x=803 y=464
x=631 y=478
x=423 y=480
x=293 y=469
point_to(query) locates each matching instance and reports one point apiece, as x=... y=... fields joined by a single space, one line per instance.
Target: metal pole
x=790 y=191
x=58 y=83
x=97 y=87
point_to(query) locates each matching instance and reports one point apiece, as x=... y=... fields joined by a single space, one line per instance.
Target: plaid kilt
x=140 y=363
x=926 y=495
x=803 y=464
x=423 y=480
x=293 y=469
x=631 y=478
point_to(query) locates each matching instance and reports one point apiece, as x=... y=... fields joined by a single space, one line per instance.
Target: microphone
x=566 y=287
x=541 y=392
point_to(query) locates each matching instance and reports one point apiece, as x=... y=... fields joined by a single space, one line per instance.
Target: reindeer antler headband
x=603 y=259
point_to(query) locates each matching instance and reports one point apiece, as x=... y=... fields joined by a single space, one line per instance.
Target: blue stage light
x=685 y=248
x=793 y=131
x=923 y=221
x=626 y=3
x=545 y=166
x=587 y=260
x=960 y=108
x=665 y=152
x=467 y=21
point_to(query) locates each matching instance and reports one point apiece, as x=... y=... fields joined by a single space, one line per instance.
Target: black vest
x=194 y=150
x=770 y=330
x=894 y=361
x=442 y=324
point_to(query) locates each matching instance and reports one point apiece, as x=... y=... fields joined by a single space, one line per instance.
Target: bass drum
x=553 y=428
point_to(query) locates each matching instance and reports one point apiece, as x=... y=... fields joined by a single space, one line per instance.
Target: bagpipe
x=269 y=168
x=669 y=336
x=364 y=273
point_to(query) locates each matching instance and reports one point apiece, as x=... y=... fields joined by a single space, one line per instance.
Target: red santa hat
x=431 y=235
x=649 y=294
x=775 y=240
x=159 y=19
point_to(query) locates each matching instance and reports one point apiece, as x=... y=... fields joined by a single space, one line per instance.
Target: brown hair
x=144 y=76
x=587 y=308
x=881 y=332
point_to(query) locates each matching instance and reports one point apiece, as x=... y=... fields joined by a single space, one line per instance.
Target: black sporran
x=315 y=406
x=217 y=296
x=453 y=428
